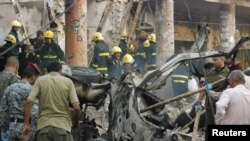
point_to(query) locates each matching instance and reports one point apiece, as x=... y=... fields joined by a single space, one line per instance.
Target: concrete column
x=164 y=30
x=227 y=29
x=76 y=34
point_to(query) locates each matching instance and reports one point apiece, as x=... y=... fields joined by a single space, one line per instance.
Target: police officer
x=219 y=71
x=13 y=102
x=123 y=43
x=7 y=77
x=10 y=41
x=16 y=25
x=50 y=51
x=38 y=41
x=26 y=56
x=114 y=64
x=101 y=53
x=140 y=56
x=150 y=49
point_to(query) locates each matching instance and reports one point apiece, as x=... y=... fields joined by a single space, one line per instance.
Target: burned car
x=132 y=120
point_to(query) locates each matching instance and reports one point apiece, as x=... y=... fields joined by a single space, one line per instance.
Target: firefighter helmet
x=97 y=37
x=10 y=38
x=116 y=49
x=124 y=35
x=49 y=34
x=16 y=23
x=146 y=43
x=128 y=59
x=152 y=37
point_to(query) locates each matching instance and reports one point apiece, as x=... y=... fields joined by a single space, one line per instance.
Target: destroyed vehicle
x=130 y=121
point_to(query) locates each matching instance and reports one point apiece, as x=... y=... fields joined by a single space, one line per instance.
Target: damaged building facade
x=227 y=20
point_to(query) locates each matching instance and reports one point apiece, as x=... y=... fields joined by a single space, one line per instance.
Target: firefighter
x=10 y=41
x=180 y=77
x=139 y=55
x=16 y=25
x=128 y=63
x=114 y=64
x=101 y=53
x=50 y=51
x=150 y=49
x=123 y=43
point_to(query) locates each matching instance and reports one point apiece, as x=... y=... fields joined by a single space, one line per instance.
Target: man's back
x=234 y=102
x=7 y=78
x=55 y=93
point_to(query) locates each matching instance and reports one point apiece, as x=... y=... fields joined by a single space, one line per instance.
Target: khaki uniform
x=213 y=76
x=54 y=92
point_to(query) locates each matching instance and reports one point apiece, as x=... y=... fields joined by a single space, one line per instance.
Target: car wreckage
x=139 y=107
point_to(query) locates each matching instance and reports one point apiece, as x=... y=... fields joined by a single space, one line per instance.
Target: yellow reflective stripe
x=101 y=69
x=151 y=65
x=180 y=76
x=138 y=54
x=179 y=81
x=153 y=54
x=61 y=62
x=95 y=65
x=105 y=74
x=103 y=54
x=50 y=56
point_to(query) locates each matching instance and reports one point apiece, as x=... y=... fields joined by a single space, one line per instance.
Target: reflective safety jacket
x=123 y=46
x=151 y=56
x=101 y=54
x=115 y=69
x=180 y=77
x=140 y=58
x=16 y=49
x=9 y=53
x=50 y=53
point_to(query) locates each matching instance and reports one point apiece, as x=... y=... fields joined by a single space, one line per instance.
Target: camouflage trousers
x=16 y=129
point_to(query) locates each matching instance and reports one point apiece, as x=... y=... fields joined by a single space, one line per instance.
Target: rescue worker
x=38 y=41
x=140 y=56
x=150 y=49
x=123 y=43
x=27 y=56
x=101 y=53
x=219 y=71
x=128 y=63
x=55 y=93
x=7 y=77
x=50 y=51
x=180 y=77
x=13 y=102
x=10 y=41
x=114 y=64
x=16 y=25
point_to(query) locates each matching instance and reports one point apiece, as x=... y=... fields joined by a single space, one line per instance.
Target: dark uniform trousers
x=151 y=56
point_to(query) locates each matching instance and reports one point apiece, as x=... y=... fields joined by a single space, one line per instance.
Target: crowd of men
x=55 y=92
x=20 y=85
x=139 y=56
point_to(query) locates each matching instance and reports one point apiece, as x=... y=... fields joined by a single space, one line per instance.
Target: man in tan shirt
x=55 y=93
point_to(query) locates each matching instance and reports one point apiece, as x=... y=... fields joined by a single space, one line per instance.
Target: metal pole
x=179 y=97
x=76 y=34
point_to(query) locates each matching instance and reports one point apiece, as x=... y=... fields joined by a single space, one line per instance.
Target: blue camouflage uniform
x=13 y=106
